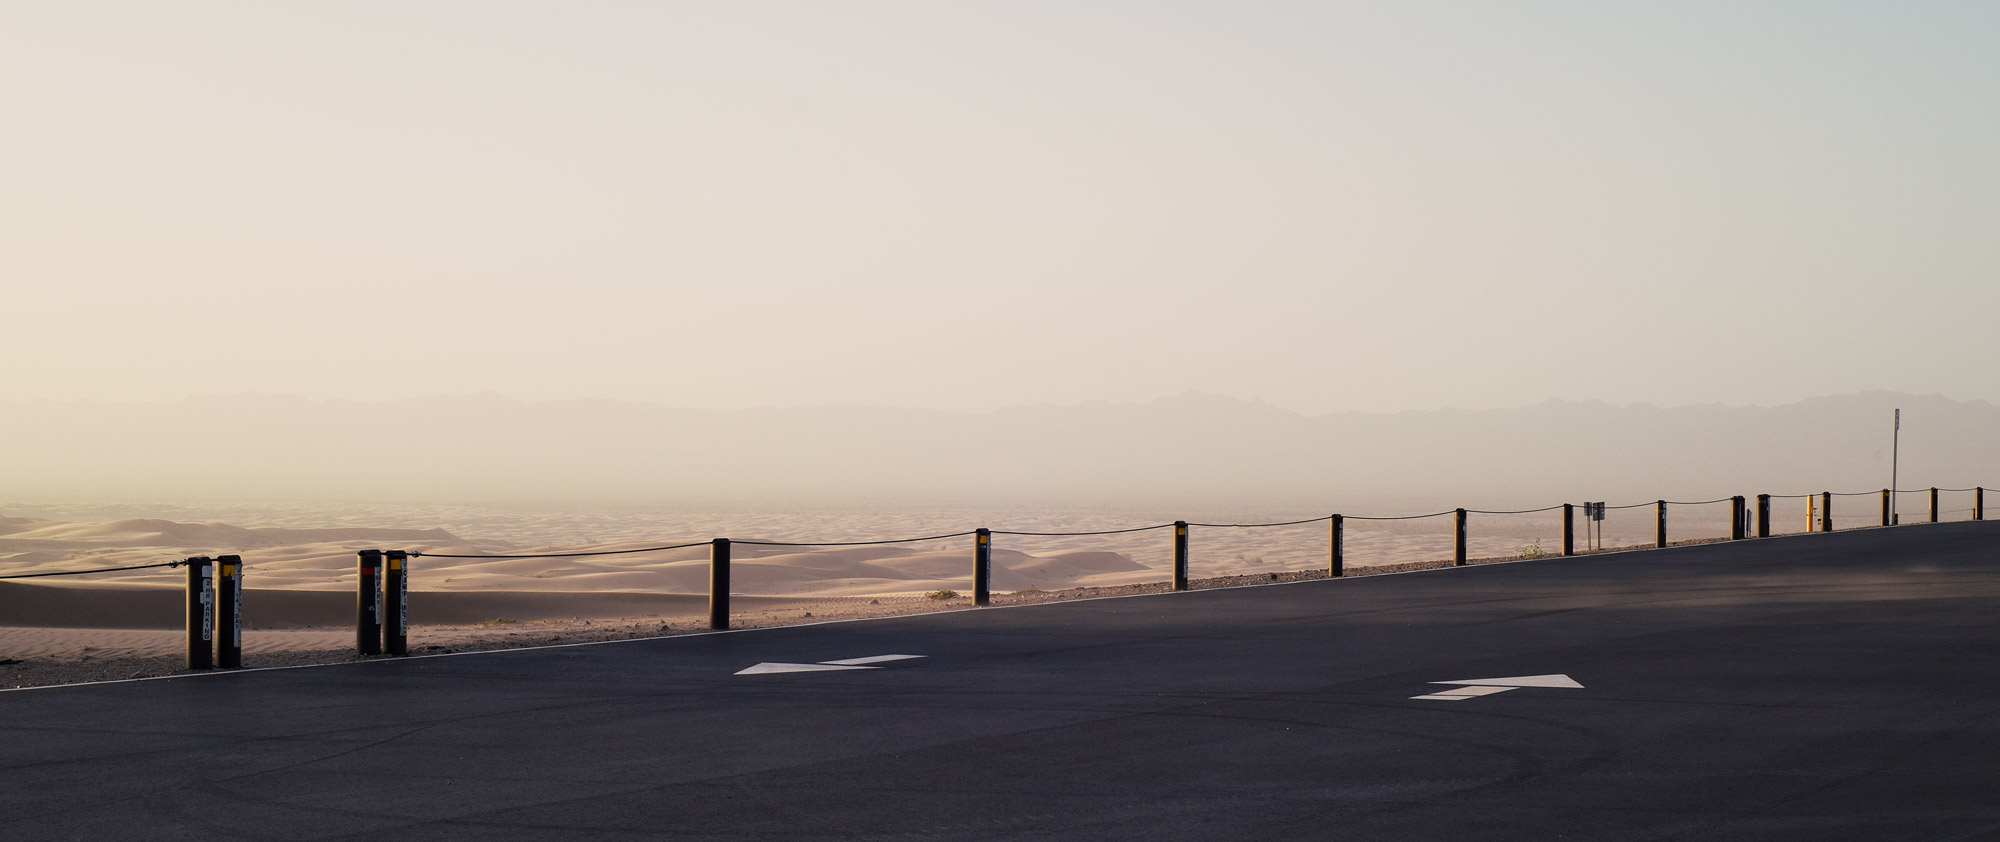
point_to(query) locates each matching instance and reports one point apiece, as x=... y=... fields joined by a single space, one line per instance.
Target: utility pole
x=1895 y=452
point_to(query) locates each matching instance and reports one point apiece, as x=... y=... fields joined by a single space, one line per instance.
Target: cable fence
x=1063 y=551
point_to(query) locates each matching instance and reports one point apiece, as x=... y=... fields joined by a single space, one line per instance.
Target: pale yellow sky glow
x=1328 y=206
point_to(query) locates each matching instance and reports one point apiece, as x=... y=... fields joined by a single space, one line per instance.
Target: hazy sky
x=1328 y=206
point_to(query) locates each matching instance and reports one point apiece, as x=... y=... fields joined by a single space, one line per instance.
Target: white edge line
x=709 y=632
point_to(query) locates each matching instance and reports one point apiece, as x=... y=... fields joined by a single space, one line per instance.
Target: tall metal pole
x=1895 y=455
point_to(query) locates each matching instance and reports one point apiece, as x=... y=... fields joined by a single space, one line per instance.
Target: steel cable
x=1075 y=534
x=1520 y=512
x=1261 y=525
x=1401 y=517
x=855 y=543
x=416 y=554
x=99 y=570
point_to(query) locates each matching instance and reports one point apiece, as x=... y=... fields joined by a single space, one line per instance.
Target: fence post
x=1660 y=538
x=396 y=603
x=982 y=566
x=1180 y=555
x=229 y=609
x=1337 y=563
x=718 y=584
x=1979 y=502
x=1826 y=511
x=1738 y=513
x=1763 y=515
x=1885 y=507
x=368 y=604
x=1458 y=540
x=200 y=613
x=1569 y=530
x=1934 y=509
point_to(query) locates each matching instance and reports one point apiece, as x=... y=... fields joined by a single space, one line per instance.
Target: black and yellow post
x=718 y=584
x=1738 y=513
x=200 y=613
x=396 y=602
x=1458 y=538
x=1979 y=502
x=1336 y=563
x=368 y=603
x=1885 y=507
x=229 y=609
x=1569 y=530
x=1763 y=515
x=1934 y=508
x=982 y=566
x=1660 y=528
x=1180 y=555
x=1826 y=511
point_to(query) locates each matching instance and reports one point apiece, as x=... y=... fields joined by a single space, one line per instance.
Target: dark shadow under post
x=200 y=613
x=1826 y=511
x=1336 y=564
x=982 y=566
x=1763 y=515
x=1739 y=515
x=1180 y=555
x=229 y=610
x=1934 y=506
x=1885 y=507
x=368 y=603
x=396 y=602
x=1569 y=529
x=1458 y=538
x=1660 y=528
x=718 y=584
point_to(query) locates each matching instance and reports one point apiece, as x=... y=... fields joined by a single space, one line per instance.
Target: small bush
x=942 y=594
x=498 y=621
x=1534 y=550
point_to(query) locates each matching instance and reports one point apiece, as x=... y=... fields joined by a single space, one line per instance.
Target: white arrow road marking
x=825 y=666
x=1462 y=693
x=1472 y=688
x=872 y=659
x=1562 y=681
x=767 y=669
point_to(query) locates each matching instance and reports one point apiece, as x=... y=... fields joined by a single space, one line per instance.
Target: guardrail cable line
x=416 y=554
x=855 y=543
x=1073 y=534
x=1517 y=512
x=1261 y=525
x=1402 y=517
x=98 y=570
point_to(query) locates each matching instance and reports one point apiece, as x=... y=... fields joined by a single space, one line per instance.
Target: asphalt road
x=1821 y=687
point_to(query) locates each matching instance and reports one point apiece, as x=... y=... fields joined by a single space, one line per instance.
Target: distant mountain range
x=1191 y=448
